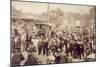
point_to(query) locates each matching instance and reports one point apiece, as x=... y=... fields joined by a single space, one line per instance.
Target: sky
x=30 y=7
x=38 y=8
x=82 y=9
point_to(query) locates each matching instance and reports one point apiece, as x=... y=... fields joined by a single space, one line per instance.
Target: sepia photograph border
x=47 y=3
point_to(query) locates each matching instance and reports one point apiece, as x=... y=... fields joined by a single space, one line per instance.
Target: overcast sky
x=33 y=7
x=72 y=8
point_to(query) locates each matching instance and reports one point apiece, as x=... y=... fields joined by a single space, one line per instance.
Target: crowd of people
x=58 y=47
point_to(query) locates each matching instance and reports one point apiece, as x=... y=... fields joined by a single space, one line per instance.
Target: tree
x=92 y=13
x=56 y=17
